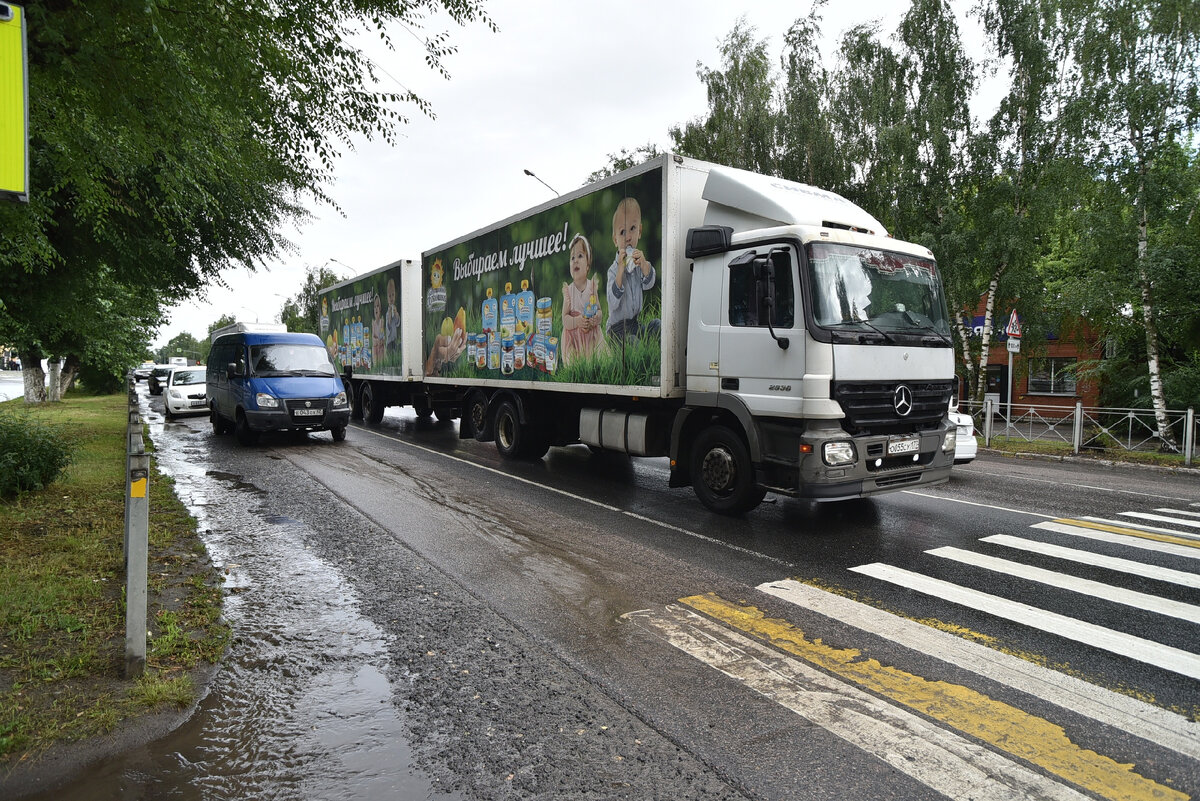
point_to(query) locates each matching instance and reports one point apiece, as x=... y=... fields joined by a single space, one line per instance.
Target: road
x=572 y=628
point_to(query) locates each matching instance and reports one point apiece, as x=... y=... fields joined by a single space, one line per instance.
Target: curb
x=1071 y=458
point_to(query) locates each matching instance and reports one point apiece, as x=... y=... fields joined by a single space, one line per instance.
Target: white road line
x=1142 y=527
x=1095 y=589
x=944 y=761
x=1148 y=652
x=982 y=505
x=1162 y=519
x=1151 y=723
x=1121 y=539
x=991 y=474
x=1179 y=512
x=1129 y=566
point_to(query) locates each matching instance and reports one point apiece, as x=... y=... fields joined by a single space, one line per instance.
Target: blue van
x=273 y=381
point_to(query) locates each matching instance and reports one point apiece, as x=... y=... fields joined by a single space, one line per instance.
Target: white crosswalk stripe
x=1127 y=540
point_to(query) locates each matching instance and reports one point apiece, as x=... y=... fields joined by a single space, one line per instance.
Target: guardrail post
x=1189 y=436
x=136 y=569
x=987 y=423
x=1077 y=431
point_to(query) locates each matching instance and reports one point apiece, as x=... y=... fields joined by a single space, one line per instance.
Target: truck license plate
x=308 y=412
x=900 y=445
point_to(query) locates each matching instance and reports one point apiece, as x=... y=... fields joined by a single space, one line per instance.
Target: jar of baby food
x=545 y=316
x=481 y=341
x=507 y=349
x=551 y=354
x=519 y=350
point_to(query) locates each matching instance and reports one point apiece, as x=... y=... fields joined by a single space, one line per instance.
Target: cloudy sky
x=557 y=89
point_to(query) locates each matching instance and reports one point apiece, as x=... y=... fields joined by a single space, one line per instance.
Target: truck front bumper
x=873 y=472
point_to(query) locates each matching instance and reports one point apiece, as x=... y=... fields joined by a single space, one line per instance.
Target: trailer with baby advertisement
x=360 y=322
x=571 y=295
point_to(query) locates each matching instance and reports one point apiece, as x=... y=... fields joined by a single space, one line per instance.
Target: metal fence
x=1094 y=429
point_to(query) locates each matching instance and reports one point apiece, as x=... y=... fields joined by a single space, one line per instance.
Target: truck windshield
x=864 y=289
x=280 y=359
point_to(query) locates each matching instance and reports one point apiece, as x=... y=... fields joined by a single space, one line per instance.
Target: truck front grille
x=870 y=406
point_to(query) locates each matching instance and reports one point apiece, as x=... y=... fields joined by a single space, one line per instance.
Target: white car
x=966 y=447
x=183 y=391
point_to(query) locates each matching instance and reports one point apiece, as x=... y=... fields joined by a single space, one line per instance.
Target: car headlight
x=950 y=441
x=175 y=394
x=838 y=453
x=340 y=400
x=266 y=401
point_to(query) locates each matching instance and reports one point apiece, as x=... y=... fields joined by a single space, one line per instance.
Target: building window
x=1052 y=376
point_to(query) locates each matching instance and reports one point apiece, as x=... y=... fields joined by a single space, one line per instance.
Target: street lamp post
x=543 y=183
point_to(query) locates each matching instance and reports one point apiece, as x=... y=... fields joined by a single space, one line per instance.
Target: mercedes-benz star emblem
x=902 y=400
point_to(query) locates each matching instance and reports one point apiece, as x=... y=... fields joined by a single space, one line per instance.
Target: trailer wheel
x=722 y=475
x=372 y=406
x=477 y=416
x=356 y=412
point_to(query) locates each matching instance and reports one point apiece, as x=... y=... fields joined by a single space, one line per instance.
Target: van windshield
x=299 y=360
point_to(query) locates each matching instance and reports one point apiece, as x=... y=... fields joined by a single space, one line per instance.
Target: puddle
x=302 y=707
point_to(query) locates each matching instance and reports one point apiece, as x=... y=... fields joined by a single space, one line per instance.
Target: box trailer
x=765 y=335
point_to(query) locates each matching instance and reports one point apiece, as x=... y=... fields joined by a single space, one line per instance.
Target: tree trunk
x=70 y=371
x=964 y=334
x=53 y=387
x=34 y=376
x=1157 y=396
x=985 y=344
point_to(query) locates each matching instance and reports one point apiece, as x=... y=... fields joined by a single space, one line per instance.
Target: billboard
x=570 y=294
x=14 y=105
x=360 y=323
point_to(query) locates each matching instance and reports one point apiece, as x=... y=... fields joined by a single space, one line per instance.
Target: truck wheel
x=245 y=434
x=356 y=412
x=722 y=475
x=423 y=412
x=372 y=409
x=477 y=416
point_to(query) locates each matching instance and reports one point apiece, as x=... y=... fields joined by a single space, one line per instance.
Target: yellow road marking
x=1131 y=532
x=999 y=724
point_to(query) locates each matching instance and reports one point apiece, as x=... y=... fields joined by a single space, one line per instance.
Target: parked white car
x=966 y=446
x=184 y=391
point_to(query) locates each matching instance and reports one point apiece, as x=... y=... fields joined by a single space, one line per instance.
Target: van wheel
x=219 y=425
x=245 y=434
x=477 y=416
x=339 y=433
x=722 y=475
x=372 y=408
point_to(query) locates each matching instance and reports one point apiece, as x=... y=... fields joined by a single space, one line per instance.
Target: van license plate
x=308 y=412
x=900 y=445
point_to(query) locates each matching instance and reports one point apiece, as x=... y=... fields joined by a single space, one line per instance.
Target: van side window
x=748 y=296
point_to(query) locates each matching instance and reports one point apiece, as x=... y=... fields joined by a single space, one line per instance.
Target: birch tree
x=1140 y=70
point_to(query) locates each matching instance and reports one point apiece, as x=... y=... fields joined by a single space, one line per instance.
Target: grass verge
x=1016 y=445
x=62 y=587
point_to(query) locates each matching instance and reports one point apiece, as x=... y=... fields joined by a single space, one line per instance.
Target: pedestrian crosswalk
x=1142 y=562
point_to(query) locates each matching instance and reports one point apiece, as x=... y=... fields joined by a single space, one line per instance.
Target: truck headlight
x=838 y=453
x=950 y=441
x=340 y=400
x=266 y=401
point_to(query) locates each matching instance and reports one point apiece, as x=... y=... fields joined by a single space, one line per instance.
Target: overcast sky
x=557 y=89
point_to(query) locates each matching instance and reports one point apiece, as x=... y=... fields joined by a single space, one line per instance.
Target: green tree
x=302 y=312
x=171 y=140
x=1139 y=63
x=739 y=130
x=809 y=150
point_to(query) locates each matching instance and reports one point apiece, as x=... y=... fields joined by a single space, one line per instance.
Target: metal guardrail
x=1086 y=428
x=137 y=532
